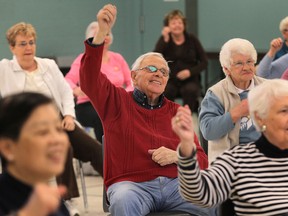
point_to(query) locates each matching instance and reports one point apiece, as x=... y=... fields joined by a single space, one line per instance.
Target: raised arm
x=106 y=18
x=265 y=67
x=92 y=81
x=201 y=187
x=182 y=125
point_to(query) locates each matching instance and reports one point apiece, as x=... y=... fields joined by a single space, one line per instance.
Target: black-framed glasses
x=24 y=43
x=154 y=69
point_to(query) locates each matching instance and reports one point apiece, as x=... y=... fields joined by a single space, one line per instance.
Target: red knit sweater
x=130 y=130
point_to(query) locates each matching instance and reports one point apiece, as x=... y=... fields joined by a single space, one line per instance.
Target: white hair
x=283 y=24
x=236 y=46
x=91 y=29
x=137 y=63
x=261 y=98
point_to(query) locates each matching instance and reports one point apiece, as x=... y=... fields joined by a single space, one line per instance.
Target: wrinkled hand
x=182 y=125
x=275 y=46
x=68 y=123
x=43 y=201
x=240 y=110
x=183 y=74
x=165 y=33
x=163 y=156
x=106 y=18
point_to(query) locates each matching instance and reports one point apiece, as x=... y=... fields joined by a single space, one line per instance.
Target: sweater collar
x=142 y=100
x=17 y=183
x=270 y=150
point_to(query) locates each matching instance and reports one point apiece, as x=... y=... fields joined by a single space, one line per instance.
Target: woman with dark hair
x=33 y=147
x=26 y=72
x=186 y=58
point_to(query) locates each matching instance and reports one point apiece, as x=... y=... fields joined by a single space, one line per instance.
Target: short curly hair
x=175 y=13
x=21 y=28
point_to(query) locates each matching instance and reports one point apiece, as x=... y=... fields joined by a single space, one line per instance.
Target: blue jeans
x=161 y=194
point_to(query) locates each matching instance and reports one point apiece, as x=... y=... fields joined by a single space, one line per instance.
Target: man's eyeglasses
x=153 y=69
x=24 y=43
x=240 y=64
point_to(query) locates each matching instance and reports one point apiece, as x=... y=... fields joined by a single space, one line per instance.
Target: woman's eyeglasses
x=24 y=43
x=240 y=64
x=154 y=69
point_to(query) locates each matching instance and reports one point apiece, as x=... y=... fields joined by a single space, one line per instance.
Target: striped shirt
x=254 y=176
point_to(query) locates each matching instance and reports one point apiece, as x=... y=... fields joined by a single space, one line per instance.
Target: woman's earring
x=263 y=128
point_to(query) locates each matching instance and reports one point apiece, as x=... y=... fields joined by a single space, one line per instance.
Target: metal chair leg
x=83 y=185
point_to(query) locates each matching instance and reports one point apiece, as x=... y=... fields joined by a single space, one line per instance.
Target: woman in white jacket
x=25 y=72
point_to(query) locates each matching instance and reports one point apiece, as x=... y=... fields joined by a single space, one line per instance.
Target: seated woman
x=27 y=72
x=186 y=58
x=33 y=147
x=268 y=67
x=224 y=116
x=253 y=175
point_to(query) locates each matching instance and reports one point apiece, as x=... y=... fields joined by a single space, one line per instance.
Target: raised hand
x=165 y=33
x=182 y=125
x=275 y=46
x=106 y=18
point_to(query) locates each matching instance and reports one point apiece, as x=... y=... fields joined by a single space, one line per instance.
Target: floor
x=94 y=188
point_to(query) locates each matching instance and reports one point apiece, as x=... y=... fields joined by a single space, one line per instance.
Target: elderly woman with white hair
x=253 y=175
x=270 y=69
x=283 y=27
x=224 y=117
x=113 y=66
x=275 y=62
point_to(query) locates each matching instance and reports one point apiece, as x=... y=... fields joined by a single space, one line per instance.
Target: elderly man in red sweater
x=140 y=159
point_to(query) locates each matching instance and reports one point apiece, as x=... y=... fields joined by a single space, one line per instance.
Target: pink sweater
x=130 y=129
x=116 y=70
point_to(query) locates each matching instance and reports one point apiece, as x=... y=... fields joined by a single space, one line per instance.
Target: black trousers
x=86 y=149
x=189 y=91
x=88 y=117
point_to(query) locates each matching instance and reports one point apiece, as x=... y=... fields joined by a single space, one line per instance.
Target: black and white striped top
x=254 y=176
